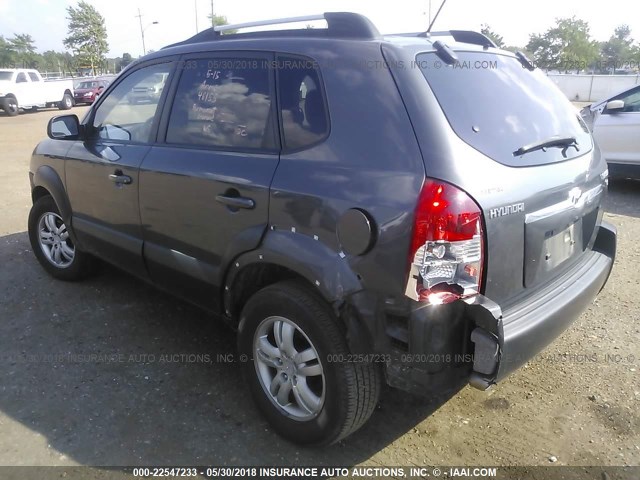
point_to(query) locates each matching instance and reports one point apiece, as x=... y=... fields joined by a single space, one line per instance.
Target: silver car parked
x=615 y=123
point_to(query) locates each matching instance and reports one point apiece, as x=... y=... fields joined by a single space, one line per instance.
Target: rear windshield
x=497 y=106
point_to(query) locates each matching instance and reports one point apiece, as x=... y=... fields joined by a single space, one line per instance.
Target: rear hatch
x=526 y=158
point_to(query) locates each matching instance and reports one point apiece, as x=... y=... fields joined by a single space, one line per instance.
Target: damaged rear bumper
x=525 y=328
x=480 y=343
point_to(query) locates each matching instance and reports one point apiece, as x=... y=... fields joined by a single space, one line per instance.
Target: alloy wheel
x=54 y=240
x=289 y=368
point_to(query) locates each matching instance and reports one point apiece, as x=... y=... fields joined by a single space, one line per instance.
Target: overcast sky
x=45 y=20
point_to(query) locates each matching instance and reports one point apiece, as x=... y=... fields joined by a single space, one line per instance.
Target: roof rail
x=464 y=36
x=261 y=23
x=339 y=25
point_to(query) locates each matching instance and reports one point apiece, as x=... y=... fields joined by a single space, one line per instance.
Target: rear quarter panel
x=370 y=161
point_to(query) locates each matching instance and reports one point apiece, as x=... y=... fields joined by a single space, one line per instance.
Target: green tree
x=567 y=46
x=6 y=53
x=618 y=49
x=218 y=20
x=52 y=61
x=22 y=45
x=70 y=63
x=87 y=36
x=497 y=39
x=546 y=53
x=634 y=54
x=124 y=61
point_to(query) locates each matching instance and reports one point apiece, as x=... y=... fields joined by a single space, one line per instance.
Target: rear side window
x=223 y=102
x=497 y=106
x=303 y=109
x=33 y=77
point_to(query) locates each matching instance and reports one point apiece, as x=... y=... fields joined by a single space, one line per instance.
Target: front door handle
x=119 y=178
x=236 y=202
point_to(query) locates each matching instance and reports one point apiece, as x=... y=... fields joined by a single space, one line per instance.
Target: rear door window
x=223 y=102
x=303 y=109
x=497 y=106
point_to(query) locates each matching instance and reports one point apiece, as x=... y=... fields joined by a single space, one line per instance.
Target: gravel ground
x=136 y=403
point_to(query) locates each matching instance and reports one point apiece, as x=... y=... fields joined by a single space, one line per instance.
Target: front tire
x=298 y=369
x=10 y=106
x=66 y=103
x=52 y=244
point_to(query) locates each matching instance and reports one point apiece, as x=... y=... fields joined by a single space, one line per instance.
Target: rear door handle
x=236 y=202
x=121 y=179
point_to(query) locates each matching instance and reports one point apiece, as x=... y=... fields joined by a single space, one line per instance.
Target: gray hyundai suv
x=423 y=210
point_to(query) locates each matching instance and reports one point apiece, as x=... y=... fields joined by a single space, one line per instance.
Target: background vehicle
x=23 y=88
x=150 y=91
x=615 y=122
x=88 y=90
x=426 y=211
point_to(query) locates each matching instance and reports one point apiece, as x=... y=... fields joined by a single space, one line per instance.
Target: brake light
x=446 y=256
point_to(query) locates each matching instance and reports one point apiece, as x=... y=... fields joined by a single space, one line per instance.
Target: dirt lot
x=60 y=407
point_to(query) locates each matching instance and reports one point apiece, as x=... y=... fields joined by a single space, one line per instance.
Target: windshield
x=88 y=85
x=497 y=106
x=6 y=75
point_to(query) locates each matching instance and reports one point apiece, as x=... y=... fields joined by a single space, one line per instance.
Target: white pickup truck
x=26 y=89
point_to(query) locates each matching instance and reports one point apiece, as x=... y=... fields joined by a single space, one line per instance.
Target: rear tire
x=294 y=345
x=66 y=103
x=52 y=244
x=10 y=106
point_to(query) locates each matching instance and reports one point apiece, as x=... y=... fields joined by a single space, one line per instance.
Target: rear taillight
x=446 y=256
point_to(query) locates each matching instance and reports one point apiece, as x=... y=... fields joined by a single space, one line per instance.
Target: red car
x=88 y=90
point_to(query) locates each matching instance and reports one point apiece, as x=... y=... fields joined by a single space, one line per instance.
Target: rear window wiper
x=560 y=142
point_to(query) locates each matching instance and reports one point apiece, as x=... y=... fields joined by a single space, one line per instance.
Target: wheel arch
x=47 y=181
x=287 y=255
x=38 y=192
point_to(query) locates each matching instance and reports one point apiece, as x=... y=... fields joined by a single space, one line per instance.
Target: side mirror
x=615 y=105
x=101 y=87
x=64 y=127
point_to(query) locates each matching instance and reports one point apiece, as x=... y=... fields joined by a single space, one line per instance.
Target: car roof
x=341 y=26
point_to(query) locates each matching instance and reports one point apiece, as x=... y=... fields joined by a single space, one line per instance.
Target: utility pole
x=140 y=20
x=195 y=6
x=144 y=48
